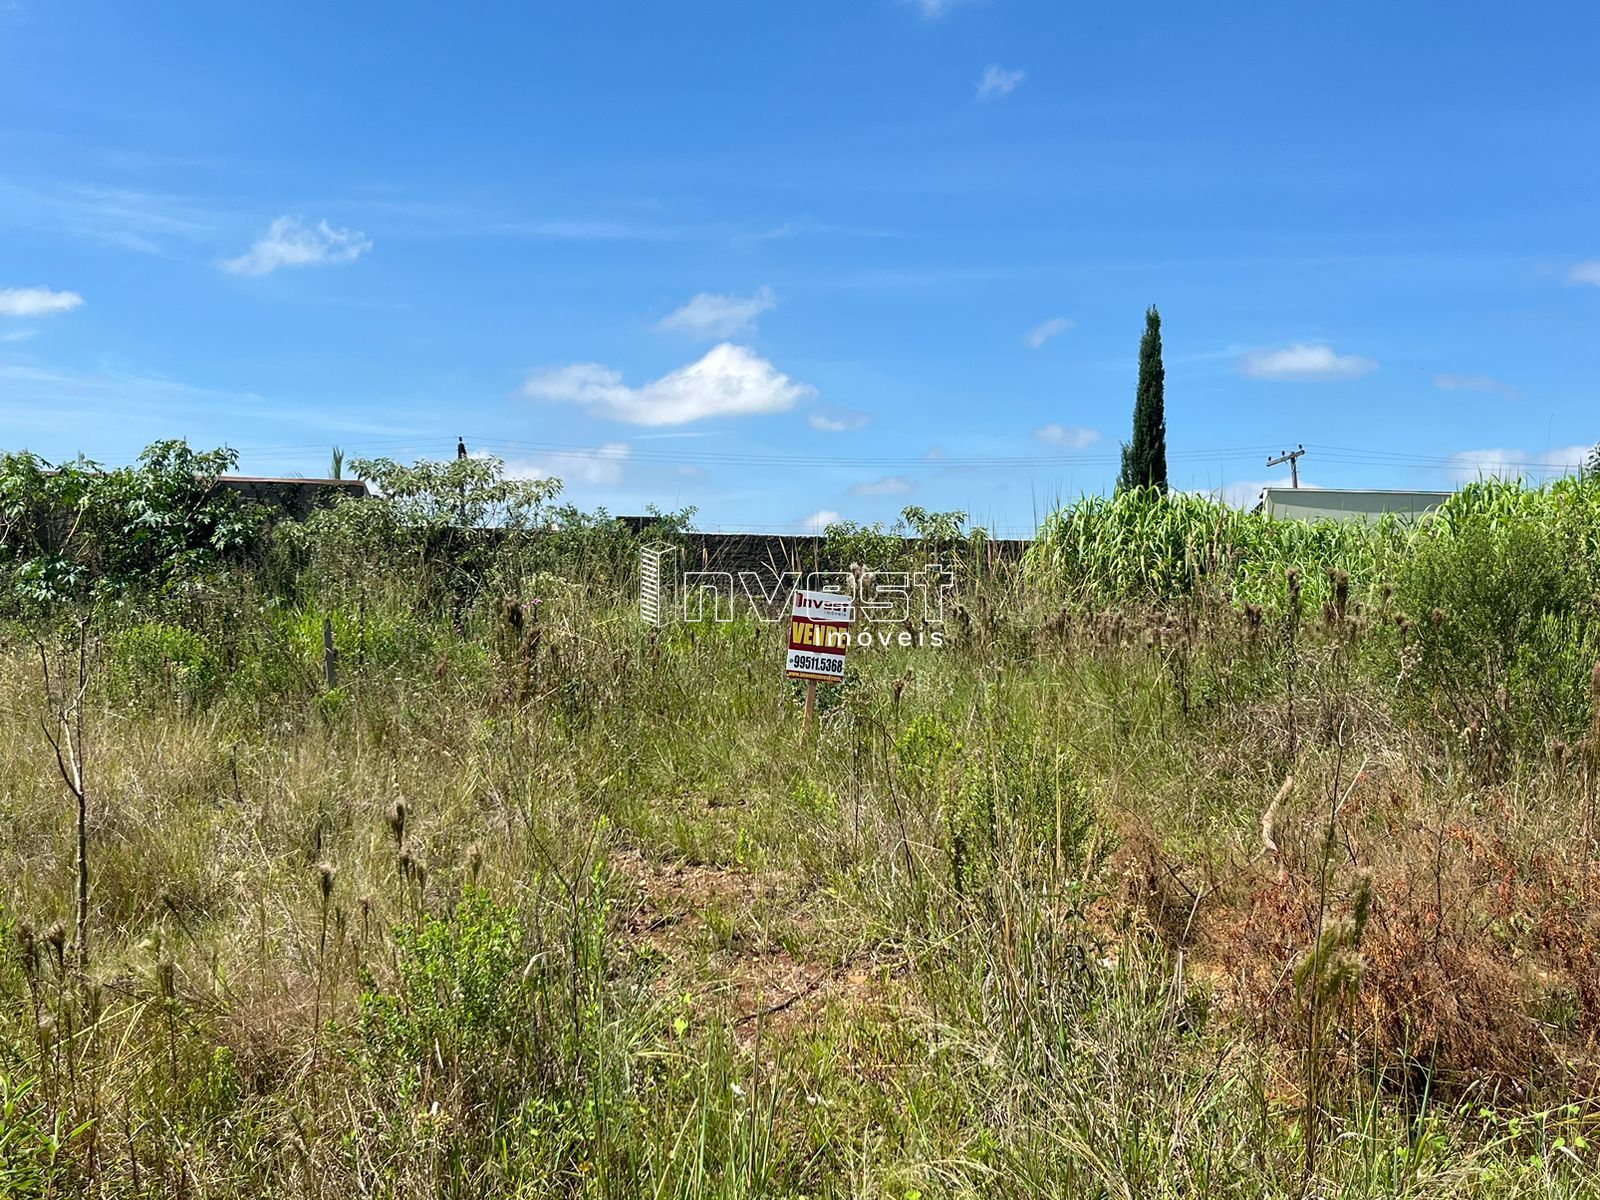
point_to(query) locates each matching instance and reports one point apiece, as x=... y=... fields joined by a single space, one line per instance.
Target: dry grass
x=632 y=937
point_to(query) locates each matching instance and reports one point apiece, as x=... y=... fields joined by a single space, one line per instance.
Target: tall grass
x=1146 y=544
x=543 y=902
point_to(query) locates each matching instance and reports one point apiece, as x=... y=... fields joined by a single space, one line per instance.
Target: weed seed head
x=397 y=821
x=28 y=949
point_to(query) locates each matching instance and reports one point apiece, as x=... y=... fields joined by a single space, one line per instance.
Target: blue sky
x=781 y=260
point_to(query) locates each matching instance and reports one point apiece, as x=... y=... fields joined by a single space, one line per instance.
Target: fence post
x=330 y=656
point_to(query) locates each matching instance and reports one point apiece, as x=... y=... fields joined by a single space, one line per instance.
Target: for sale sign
x=819 y=635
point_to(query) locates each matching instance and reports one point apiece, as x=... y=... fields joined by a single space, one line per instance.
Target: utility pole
x=1292 y=457
x=461 y=456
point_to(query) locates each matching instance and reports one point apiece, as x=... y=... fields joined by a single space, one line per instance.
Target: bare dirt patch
x=739 y=942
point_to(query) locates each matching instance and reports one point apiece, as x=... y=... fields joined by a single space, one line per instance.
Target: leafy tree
x=1144 y=459
x=73 y=531
x=460 y=493
x=448 y=520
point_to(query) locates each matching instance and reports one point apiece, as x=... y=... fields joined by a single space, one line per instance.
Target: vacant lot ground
x=1164 y=897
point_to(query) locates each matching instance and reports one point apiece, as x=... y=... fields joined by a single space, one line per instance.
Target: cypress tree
x=1144 y=459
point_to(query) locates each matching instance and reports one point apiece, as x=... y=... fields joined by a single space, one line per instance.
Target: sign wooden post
x=330 y=655
x=819 y=635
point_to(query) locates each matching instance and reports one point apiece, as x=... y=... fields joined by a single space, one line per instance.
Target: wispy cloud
x=1470 y=465
x=580 y=230
x=123 y=217
x=932 y=9
x=889 y=485
x=819 y=521
x=1041 y=333
x=36 y=302
x=1585 y=273
x=730 y=381
x=830 y=419
x=808 y=227
x=290 y=242
x=711 y=315
x=998 y=81
x=601 y=466
x=1074 y=437
x=1304 y=361
x=120 y=404
x=1475 y=383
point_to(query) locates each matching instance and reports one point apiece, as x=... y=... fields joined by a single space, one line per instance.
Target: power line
x=1342 y=455
x=780 y=459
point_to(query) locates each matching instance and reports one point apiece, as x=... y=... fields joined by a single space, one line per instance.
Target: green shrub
x=157 y=659
x=75 y=532
x=459 y=996
x=1503 y=611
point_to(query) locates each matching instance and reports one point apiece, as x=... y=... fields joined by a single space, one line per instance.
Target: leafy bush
x=460 y=997
x=1019 y=804
x=73 y=532
x=1501 y=592
x=155 y=658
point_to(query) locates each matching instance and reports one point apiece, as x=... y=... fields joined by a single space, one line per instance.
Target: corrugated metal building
x=1347 y=504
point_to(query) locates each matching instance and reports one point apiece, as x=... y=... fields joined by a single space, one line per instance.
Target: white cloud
x=730 y=381
x=36 y=301
x=1075 y=437
x=932 y=9
x=16 y=335
x=819 y=521
x=713 y=316
x=1470 y=465
x=1244 y=493
x=1585 y=272
x=836 y=420
x=1304 y=361
x=290 y=242
x=889 y=485
x=600 y=466
x=1473 y=383
x=1045 y=330
x=998 y=81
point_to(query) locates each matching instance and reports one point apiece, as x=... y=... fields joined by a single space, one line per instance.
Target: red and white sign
x=819 y=635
